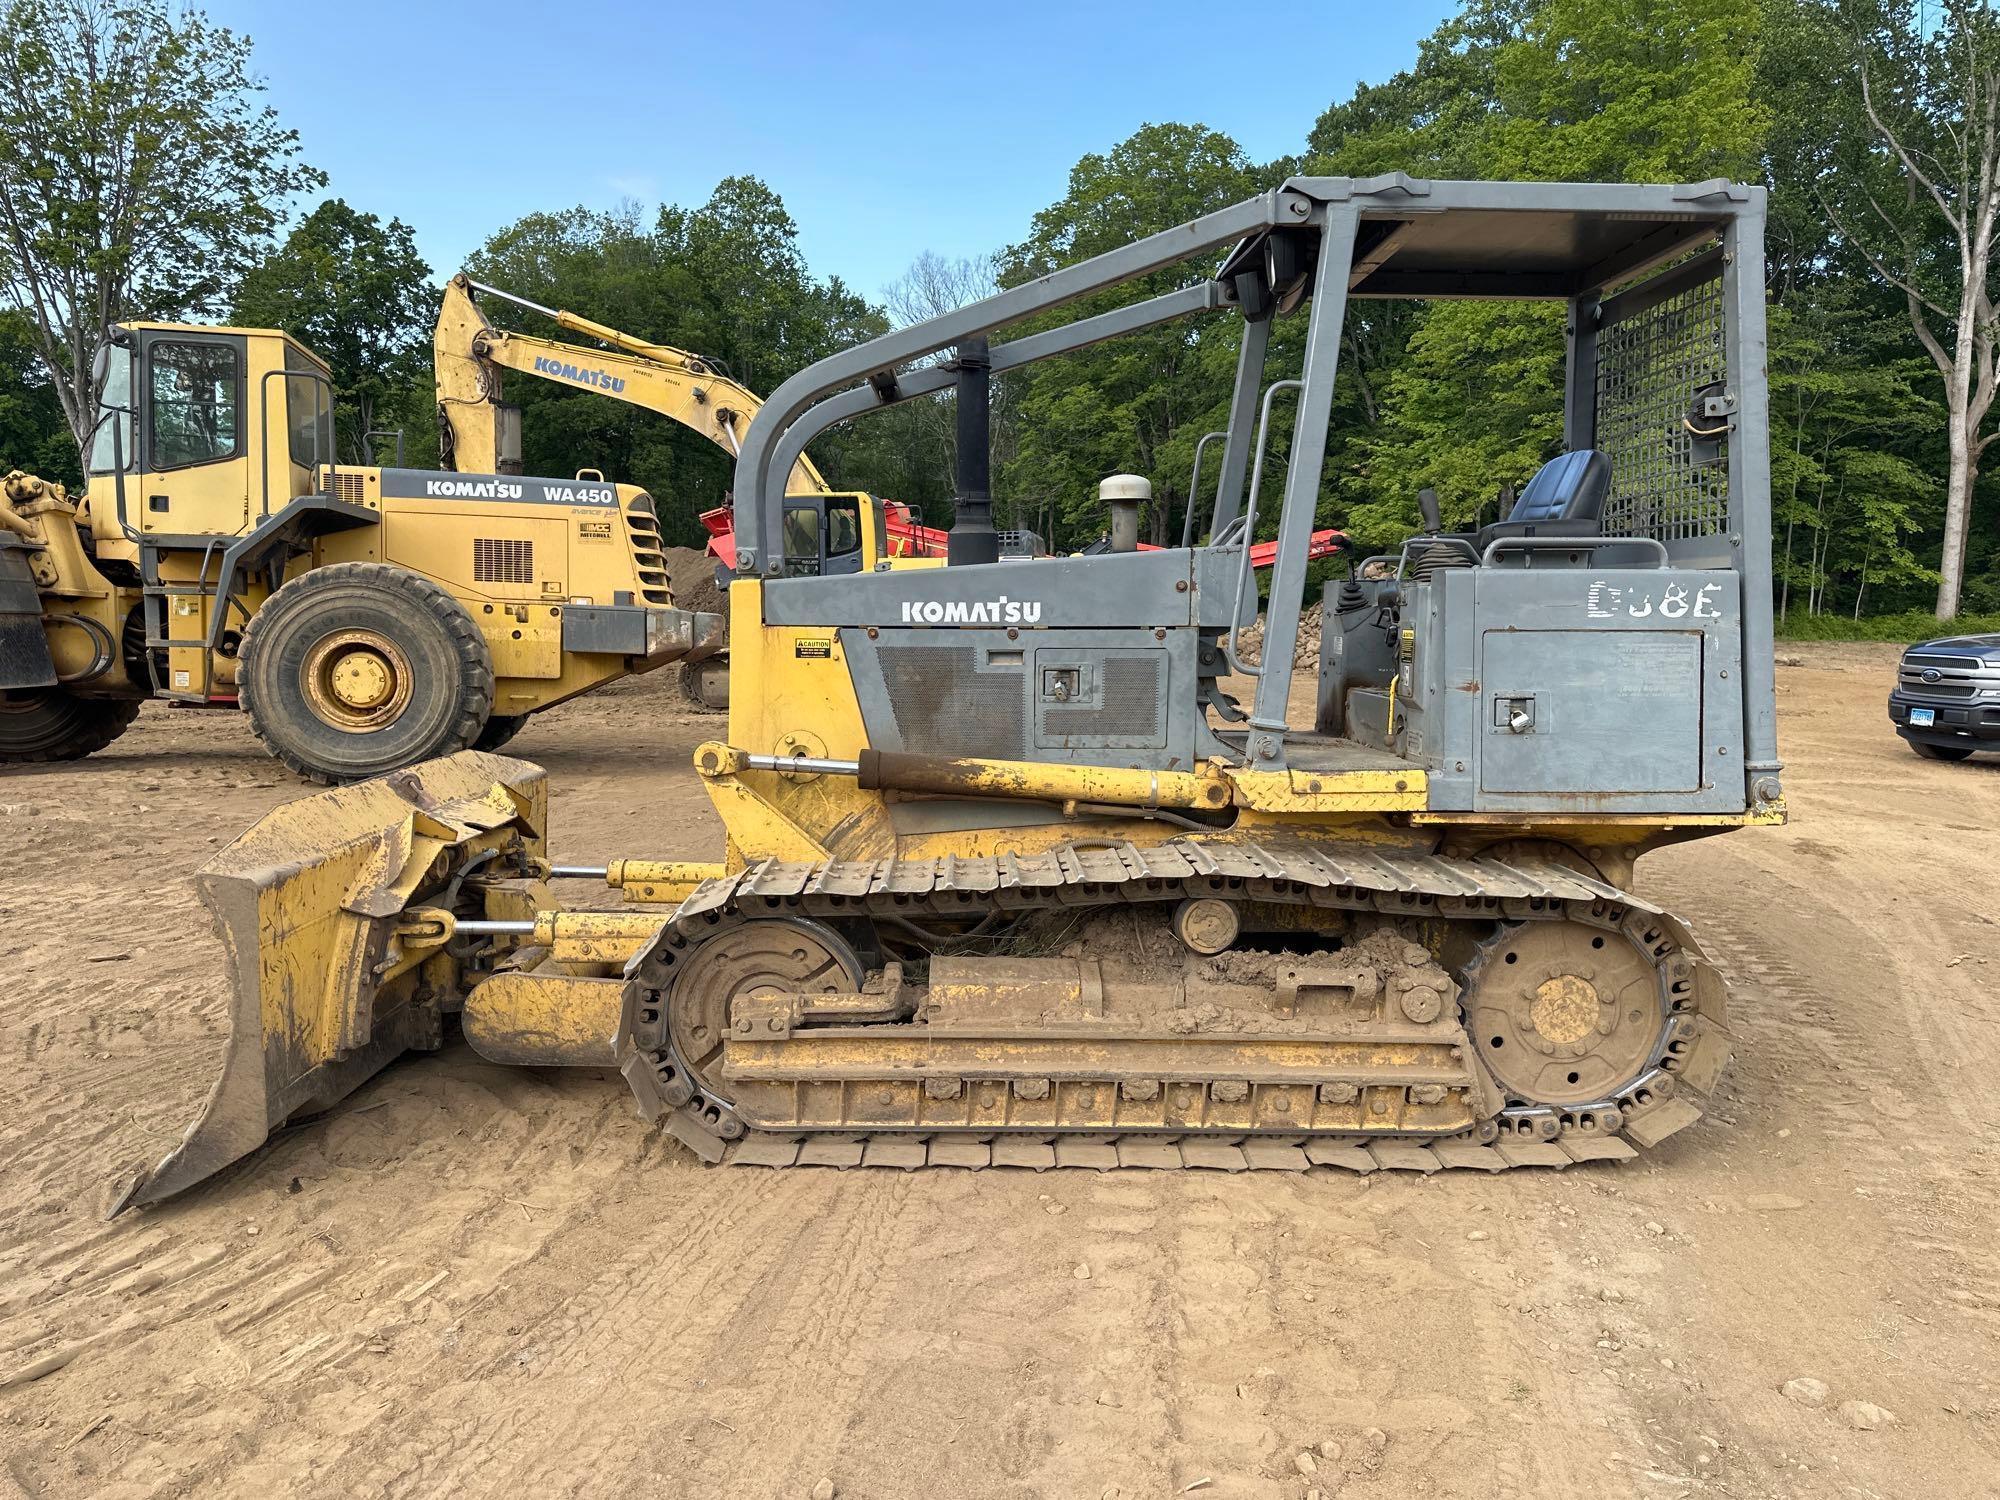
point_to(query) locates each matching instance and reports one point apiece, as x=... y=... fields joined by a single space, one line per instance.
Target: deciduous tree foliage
x=725 y=280
x=354 y=291
x=34 y=435
x=141 y=175
x=1137 y=404
x=1910 y=180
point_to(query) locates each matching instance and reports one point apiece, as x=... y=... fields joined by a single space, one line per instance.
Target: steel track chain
x=1388 y=882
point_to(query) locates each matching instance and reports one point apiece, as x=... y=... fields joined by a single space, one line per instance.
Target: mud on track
x=476 y=1281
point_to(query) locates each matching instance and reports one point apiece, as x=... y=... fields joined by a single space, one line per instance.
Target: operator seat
x=1565 y=498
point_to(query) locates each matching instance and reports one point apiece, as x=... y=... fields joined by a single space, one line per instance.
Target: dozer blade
x=322 y=992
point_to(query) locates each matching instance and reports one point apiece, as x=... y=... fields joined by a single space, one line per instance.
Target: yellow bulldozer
x=364 y=618
x=1029 y=862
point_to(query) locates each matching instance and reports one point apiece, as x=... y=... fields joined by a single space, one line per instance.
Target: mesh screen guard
x=1650 y=367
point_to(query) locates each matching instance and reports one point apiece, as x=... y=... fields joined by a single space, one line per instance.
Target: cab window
x=112 y=443
x=194 y=402
x=843 y=529
x=310 y=408
x=801 y=541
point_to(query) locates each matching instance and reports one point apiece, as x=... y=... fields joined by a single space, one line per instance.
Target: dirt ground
x=475 y=1281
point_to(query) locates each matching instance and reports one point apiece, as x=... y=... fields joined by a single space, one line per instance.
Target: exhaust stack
x=972 y=538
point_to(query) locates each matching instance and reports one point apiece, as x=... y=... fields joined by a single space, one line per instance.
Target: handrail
x=1194 y=487
x=1229 y=642
x=320 y=383
x=1501 y=544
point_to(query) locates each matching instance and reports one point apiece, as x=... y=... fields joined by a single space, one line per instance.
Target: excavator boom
x=468 y=354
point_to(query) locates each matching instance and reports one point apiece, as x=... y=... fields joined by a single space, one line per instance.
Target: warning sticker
x=813 y=648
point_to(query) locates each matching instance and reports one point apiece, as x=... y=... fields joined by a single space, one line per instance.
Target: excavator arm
x=469 y=354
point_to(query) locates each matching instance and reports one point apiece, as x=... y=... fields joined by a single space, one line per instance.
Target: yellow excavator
x=1024 y=863
x=478 y=429
x=826 y=530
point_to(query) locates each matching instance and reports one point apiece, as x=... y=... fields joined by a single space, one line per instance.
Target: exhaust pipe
x=972 y=538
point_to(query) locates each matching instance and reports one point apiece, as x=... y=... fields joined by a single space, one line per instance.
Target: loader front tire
x=359 y=669
x=47 y=724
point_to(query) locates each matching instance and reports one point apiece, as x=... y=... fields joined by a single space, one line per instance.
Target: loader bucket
x=306 y=904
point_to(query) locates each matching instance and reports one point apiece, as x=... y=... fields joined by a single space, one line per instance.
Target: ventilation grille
x=502 y=560
x=945 y=705
x=642 y=529
x=352 y=488
x=1649 y=368
x=1126 y=716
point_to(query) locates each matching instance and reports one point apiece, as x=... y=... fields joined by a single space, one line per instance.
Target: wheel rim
x=1563 y=1013
x=357 y=680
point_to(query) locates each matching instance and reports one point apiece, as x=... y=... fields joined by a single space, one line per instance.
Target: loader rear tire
x=48 y=724
x=359 y=669
x=500 y=729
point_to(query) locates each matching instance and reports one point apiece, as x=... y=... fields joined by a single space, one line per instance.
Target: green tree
x=1628 y=91
x=726 y=281
x=1467 y=396
x=1139 y=403
x=354 y=291
x=140 y=174
x=33 y=433
x=1907 y=169
x=1851 y=428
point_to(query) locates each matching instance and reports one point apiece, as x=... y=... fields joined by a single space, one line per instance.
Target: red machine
x=909 y=537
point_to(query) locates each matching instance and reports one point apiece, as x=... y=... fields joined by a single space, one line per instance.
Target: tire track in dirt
x=590 y=1358
x=610 y=1317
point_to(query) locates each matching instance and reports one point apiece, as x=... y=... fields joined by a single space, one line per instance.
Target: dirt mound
x=691 y=576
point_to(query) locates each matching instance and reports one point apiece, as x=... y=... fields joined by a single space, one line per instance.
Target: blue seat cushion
x=1571 y=487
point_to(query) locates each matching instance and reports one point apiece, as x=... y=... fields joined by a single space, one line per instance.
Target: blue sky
x=887 y=130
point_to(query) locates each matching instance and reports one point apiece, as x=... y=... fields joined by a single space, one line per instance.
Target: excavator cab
x=823 y=535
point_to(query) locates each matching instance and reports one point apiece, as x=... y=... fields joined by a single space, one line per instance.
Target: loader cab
x=203 y=432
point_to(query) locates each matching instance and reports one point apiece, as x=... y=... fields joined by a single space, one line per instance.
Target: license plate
x=1922 y=718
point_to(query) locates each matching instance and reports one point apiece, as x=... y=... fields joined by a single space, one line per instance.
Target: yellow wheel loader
x=1025 y=864
x=364 y=618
